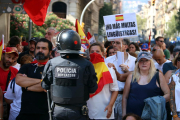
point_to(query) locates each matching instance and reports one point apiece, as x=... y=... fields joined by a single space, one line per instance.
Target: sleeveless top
x=138 y=93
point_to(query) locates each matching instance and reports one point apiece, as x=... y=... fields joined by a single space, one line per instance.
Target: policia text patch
x=67 y=72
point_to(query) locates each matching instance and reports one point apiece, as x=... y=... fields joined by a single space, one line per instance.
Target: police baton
x=49 y=105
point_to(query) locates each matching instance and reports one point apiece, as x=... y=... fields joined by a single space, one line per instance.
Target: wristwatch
x=175 y=116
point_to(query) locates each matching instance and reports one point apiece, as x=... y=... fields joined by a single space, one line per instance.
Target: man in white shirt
x=122 y=73
x=160 y=59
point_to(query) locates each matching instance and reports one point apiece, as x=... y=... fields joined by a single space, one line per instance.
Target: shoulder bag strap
x=8 y=79
x=158 y=78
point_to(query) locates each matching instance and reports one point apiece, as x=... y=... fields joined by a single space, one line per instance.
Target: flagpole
x=82 y=14
x=30 y=28
x=2 y=41
x=149 y=44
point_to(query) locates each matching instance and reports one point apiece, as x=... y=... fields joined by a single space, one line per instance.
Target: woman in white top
x=175 y=92
x=101 y=106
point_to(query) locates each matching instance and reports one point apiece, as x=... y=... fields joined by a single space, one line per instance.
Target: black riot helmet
x=69 y=42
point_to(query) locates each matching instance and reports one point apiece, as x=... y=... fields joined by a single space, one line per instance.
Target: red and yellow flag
x=103 y=74
x=84 y=41
x=119 y=17
x=149 y=43
x=1 y=48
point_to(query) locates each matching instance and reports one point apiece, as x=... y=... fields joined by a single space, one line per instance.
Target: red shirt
x=24 y=43
x=4 y=75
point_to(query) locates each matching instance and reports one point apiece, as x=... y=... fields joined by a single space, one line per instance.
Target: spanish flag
x=84 y=41
x=119 y=18
x=1 y=48
x=102 y=72
x=149 y=43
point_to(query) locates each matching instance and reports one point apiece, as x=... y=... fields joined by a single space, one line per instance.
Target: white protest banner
x=120 y=26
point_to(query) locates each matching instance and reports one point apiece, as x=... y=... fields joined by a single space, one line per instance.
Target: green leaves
x=173 y=25
x=19 y=25
x=106 y=10
x=141 y=23
x=177 y=18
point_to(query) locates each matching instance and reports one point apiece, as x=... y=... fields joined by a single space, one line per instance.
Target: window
x=60 y=9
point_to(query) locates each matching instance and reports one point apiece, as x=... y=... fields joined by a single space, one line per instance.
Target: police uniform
x=70 y=78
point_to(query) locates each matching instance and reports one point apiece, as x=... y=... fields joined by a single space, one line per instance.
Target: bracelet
x=175 y=116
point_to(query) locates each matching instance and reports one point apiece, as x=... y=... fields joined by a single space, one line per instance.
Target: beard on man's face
x=6 y=64
x=41 y=56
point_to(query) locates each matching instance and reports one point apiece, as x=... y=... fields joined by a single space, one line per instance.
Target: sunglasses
x=154 y=50
x=161 y=41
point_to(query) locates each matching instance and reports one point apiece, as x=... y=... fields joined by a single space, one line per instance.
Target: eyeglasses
x=161 y=41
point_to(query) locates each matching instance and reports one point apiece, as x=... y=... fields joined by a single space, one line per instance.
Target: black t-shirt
x=168 y=66
x=33 y=102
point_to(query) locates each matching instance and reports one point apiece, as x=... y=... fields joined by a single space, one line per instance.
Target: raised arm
x=126 y=94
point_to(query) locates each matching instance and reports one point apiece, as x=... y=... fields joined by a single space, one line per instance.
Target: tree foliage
x=172 y=27
x=17 y=27
x=52 y=20
x=141 y=23
x=105 y=10
x=177 y=18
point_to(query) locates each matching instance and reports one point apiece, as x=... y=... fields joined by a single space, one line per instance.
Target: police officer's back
x=70 y=78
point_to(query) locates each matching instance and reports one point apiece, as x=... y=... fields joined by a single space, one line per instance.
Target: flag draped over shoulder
x=84 y=41
x=1 y=48
x=103 y=74
x=36 y=9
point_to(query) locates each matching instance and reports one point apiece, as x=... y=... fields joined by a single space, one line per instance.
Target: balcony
x=171 y=6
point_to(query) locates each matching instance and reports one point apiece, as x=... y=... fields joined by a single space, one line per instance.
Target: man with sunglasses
x=160 y=43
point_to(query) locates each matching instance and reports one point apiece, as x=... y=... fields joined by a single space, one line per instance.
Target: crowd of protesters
x=147 y=82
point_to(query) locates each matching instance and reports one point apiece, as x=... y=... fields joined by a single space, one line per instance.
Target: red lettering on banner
x=18 y=1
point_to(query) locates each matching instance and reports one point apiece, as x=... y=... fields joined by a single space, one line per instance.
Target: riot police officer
x=70 y=78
